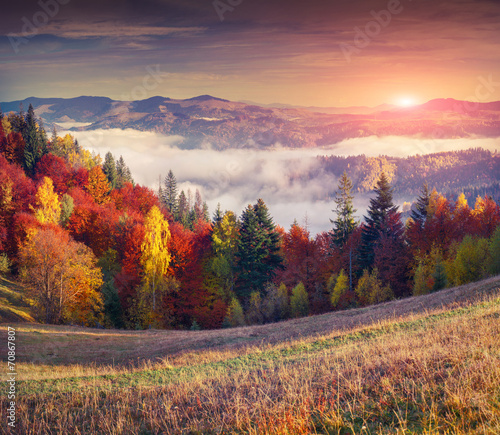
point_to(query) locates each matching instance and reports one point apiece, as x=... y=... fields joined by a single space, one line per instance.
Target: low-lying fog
x=238 y=177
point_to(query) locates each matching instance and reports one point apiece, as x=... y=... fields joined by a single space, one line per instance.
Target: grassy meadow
x=426 y=365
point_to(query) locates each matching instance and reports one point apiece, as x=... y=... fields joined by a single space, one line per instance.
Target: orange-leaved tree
x=97 y=185
x=62 y=277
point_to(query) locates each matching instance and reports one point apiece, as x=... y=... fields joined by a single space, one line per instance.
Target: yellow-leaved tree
x=155 y=256
x=47 y=205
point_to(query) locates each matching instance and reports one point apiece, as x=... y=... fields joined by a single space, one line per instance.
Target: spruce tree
x=381 y=207
x=183 y=212
x=419 y=213
x=30 y=136
x=258 y=250
x=123 y=174
x=109 y=169
x=218 y=215
x=272 y=242
x=250 y=254
x=345 y=224
x=170 y=193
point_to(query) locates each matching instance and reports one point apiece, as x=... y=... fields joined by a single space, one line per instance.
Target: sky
x=331 y=53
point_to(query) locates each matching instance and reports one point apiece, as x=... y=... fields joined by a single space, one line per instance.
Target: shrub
x=4 y=264
x=275 y=305
x=234 y=314
x=299 y=302
x=341 y=296
x=494 y=250
x=255 y=314
x=471 y=261
x=370 y=289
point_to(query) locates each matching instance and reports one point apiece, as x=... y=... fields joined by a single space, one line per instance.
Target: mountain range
x=221 y=124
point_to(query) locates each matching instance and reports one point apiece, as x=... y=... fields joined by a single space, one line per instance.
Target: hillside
x=427 y=364
x=226 y=124
x=473 y=172
x=14 y=307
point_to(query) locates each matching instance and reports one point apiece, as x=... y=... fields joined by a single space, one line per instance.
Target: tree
x=47 y=205
x=67 y=207
x=301 y=257
x=170 y=194
x=419 y=213
x=258 y=247
x=345 y=224
x=370 y=289
x=299 y=302
x=123 y=175
x=341 y=297
x=276 y=305
x=183 y=210
x=97 y=185
x=224 y=245
x=62 y=277
x=471 y=260
x=234 y=314
x=35 y=141
x=381 y=207
x=109 y=169
x=155 y=256
x=255 y=316
x=494 y=249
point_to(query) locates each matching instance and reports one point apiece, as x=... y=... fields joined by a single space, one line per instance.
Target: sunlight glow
x=406 y=101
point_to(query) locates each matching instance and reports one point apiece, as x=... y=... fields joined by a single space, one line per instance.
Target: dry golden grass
x=423 y=365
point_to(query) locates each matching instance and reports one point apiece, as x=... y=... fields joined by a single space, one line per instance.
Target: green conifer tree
x=381 y=208
x=109 y=169
x=170 y=193
x=344 y=224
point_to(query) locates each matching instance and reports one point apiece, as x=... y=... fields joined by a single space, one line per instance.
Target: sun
x=406 y=101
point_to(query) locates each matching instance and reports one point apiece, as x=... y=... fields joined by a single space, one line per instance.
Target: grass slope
x=427 y=364
x=13 y=306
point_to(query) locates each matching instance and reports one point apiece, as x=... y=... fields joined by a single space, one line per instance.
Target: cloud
x=238 y=177
x=113 y=29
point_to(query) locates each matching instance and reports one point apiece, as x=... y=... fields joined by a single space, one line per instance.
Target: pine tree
x=123 y=174
x=183 y=212
x=273 y=260
x=419 y=213
x=258 y=250
x=218 y=215
x=30 y=136
x=109 y=169
x=170 y=193
x=381 y=208
x=344 y=225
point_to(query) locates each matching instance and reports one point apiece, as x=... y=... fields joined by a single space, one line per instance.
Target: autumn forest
x=94 y=248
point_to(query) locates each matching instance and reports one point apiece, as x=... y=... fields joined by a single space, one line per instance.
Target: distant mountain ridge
x=226 y=124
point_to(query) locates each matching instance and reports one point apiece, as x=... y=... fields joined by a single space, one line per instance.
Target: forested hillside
x=94 y=248
x=473 y=172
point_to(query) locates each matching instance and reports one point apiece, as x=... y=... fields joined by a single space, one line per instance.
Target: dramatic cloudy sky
x=315 y=52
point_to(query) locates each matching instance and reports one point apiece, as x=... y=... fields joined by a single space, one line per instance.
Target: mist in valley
x=290 y=181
